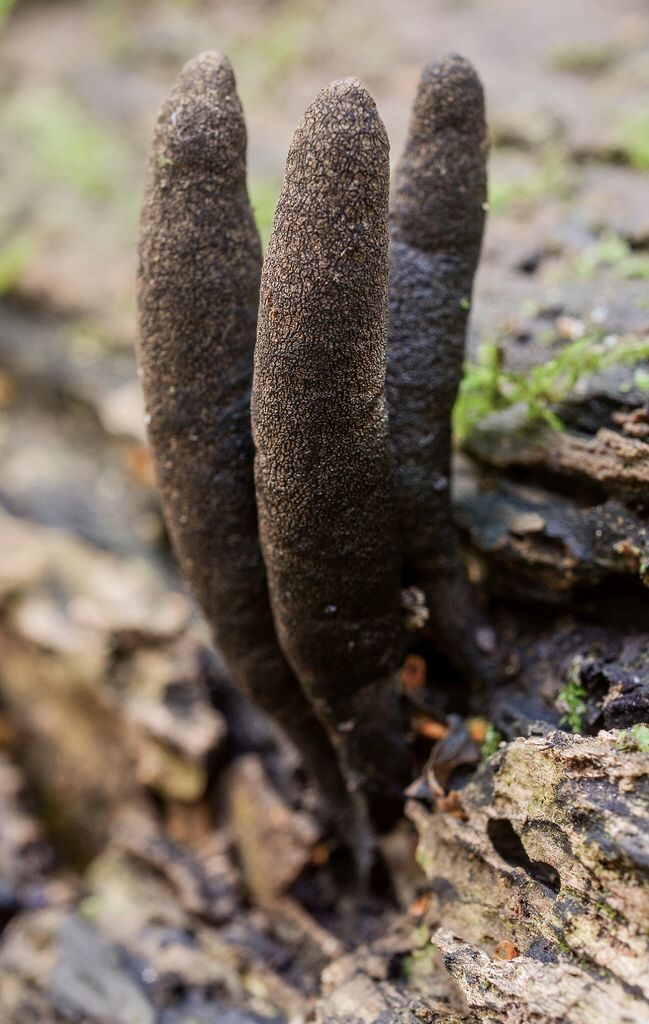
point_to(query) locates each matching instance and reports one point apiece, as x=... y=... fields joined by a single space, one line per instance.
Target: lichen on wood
x=549 y=851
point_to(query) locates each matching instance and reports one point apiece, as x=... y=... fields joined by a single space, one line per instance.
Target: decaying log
x=609 y=460
x=525 y=992
x=273 y=844
x=544 y=545
x=578 y=806
x=387 y=982
x=607 y=671
x=545 y=863
x=357 y=996
x=555 y=512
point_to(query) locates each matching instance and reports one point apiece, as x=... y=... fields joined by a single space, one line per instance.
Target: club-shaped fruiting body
x=198 y=291
x=337 y=522
x=324 y=471
x=437 y=219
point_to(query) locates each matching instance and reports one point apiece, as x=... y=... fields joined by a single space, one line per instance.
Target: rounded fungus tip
x=201 y=123
x=450 y=92
x=342 y=110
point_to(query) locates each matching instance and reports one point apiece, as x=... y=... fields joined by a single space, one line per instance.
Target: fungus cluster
x=300 y=488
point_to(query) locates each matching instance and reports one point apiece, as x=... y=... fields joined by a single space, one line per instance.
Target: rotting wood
x=551 y=853
x=547 y=546
x=616 y=463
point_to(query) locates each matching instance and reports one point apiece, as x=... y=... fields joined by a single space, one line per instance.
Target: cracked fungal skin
x=437 y=220
x=324 y=470
x=198 y=292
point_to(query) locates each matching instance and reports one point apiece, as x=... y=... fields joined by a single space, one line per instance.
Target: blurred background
x=567 y=89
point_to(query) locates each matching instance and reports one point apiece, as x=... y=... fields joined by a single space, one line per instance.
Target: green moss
x=64 y=143
x=287 y=40
x=408 y=966
x=585 y=59
x=572 y=698
x=420 y=964
x=422 y=936
x=551 y=178
x=608 y=911
x=493 y=739
x=6 y=7
x=641 y=380
x=90 y=907
x=423 y=859
x=487 y=387
x=15 y=256
x=480 y=391
x=635 y=738
x=263 y=199
x=88 y=336
x=612 y=251
x=634 y=139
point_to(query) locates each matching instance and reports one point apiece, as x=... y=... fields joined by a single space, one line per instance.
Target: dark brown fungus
x=198 y=291
x=437 y=221
x=324 y=471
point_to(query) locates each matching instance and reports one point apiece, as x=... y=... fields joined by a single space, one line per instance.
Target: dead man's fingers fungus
x=437 y=219
x=324 y=471
x=198 y=292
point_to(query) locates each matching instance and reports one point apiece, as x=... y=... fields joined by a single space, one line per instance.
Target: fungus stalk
x=437 y=221
x=298 y=564
x=324 y=471
x=198 y=289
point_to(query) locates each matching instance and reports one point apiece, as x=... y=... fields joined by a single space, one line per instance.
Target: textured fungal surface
x=437 y=220
x=324 y=472
x=198 y=289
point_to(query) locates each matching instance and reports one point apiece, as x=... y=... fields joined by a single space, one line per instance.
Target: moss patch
x=551 y=179
x=635 y=738
x=634 y=139
x=572 y=698
x=615 y=252
x=586 y=58
x=488 y=387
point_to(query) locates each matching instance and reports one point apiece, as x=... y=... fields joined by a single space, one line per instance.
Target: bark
x=198 y=287
x=546 y=545
x=556 y=513
x=324 y=473
x=542 y=873
x=358 y=990
x=617 y=464
x=543 y=855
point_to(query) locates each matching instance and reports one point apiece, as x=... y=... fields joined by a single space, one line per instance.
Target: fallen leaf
x=506 y=950
x=413 y=672
x=477 y=729
x=420 y=906
x=430 y=729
